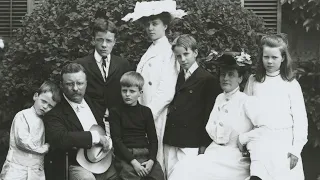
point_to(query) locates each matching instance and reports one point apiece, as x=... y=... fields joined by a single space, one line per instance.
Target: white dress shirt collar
x=192 y=68
x=76 y=106
x=98 y=57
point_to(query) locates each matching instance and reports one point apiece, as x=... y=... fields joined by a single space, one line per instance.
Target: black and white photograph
x=159 y=89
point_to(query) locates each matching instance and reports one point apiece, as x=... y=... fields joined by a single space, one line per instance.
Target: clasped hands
x=142 y=169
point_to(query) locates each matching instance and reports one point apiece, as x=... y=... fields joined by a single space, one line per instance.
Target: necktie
x=79 y=107
x=181 y=77
x=104 y=67
x=187 y=75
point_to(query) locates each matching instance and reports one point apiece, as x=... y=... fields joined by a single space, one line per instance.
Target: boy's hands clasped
x=142 y=169
x=148 y=165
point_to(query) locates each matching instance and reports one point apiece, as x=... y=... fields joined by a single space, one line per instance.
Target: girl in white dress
x=276 y=143
x=157 y=65
x=231 y=116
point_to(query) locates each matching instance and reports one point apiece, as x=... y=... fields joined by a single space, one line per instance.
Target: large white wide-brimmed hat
x=146 y=9
x=1 y=44
x=95 y=159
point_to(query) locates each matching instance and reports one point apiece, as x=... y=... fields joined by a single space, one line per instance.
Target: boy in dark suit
x=196 y=91
x=104 y=69
x=133 y=133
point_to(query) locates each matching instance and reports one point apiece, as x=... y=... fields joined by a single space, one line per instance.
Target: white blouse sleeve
x=299 y=116
x=249 y=86
x=23 y=138
x=254 y=113
x=166 y=89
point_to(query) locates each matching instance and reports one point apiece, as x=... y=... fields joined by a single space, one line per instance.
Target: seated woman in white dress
x=231 y=116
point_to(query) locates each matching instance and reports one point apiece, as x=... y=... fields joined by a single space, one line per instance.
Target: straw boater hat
x=95 y=159
x=146 y=9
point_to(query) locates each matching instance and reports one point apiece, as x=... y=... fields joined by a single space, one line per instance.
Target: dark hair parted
x=103 y=25
x=132 y=78
x=275 y=41
x=186 y=41
x=165 y=17
x=49 y=86
x=241 y=70
x=72 y=68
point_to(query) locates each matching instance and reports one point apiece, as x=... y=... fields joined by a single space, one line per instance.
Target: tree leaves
x=304 y=12
x=59 y=31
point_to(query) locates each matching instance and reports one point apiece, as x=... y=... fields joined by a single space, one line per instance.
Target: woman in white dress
x=230 y=117
x=157 y=65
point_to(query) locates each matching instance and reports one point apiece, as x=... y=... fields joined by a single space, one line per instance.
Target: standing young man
x=104 y=69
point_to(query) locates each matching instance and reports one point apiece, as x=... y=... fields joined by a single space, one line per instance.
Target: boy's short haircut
x=103 y=25
x=132 y=78
x=49 y=86
x=186 y=41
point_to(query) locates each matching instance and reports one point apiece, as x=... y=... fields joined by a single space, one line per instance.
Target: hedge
x=58 y=31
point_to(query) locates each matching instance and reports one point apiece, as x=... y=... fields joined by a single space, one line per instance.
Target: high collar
x=98 y=57
x=160 y=40
x=230 y=94
x=276 y=73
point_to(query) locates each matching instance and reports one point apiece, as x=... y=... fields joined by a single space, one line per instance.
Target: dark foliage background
x=306 y=13
x=58 y=31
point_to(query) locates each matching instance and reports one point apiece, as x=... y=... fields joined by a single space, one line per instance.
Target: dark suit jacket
x=190 y=109
x=64 y=133
x=105 y=94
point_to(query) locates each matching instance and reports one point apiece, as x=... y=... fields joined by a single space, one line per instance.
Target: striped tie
x=104 y=67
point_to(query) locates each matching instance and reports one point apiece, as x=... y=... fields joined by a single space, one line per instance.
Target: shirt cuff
x=243 y=139
x=95 y=137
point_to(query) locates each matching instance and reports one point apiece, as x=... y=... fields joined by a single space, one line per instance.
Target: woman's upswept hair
x=165 y=17
x=275 y=41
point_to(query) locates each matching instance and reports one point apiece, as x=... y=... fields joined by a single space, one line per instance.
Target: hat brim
x=98 y=167
x=226 y=60
x=146 y=9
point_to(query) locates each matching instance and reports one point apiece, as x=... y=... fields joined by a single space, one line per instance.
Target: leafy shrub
x=58 y=31
x=303 y=12
x=309 y=79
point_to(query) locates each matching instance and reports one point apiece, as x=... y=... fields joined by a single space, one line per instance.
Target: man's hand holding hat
x=100 y=137
x=104 y=141
x=98 y=158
